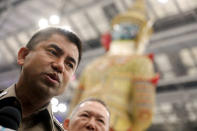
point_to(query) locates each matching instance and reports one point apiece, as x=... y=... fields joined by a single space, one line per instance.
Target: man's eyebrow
x=72 y=60
x=100 y=116
x=58 y=49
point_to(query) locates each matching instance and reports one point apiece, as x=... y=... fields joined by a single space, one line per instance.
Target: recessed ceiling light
x=54 y=101
x=62 y=107
x=43 y=23
x=54 y=19
x=163 y=1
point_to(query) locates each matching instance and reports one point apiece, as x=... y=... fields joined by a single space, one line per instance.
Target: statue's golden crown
x=137 y=15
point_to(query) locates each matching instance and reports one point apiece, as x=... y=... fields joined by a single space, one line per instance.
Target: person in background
x=47 y=63
x=89 y=115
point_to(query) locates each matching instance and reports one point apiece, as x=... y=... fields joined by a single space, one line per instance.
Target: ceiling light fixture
x=54 y=101
x=43 y=23
x=62 y=107
x=54 y=19
x=54 y=108
x=163 y=1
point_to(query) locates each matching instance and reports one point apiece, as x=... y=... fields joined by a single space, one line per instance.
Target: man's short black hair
x=46 y=33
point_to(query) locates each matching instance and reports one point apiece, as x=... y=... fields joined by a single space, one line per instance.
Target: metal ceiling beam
x=7 y=3
x=37 y=13
x=5 y=11
x=174 y=32
x=22 y=15
x=19 y=42
x=125 y=6
x=176 y=3
x=187 y=82
x=174 y=21
x=84 y=7
x=173 y=37
x=74 y=26
x=194 y=13
x=151 y=8
x=4 y=16
x=92 y=24
x=73 y=2
x=11 y=51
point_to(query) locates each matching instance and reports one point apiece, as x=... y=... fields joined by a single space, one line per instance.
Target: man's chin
x=47 y=90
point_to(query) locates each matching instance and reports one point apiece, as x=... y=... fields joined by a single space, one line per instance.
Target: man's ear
x=66 y=124
x=22 y=53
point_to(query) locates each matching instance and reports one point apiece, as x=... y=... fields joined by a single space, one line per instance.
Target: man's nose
x=91 y=125
x=58 y=66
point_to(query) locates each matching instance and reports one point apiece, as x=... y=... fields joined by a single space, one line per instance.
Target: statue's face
x=125 y=31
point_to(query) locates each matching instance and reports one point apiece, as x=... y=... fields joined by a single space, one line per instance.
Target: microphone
x=5 y=129
x=10 y=114
x=10 y=117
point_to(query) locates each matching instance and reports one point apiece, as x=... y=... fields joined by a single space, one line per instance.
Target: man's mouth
x=53 y=77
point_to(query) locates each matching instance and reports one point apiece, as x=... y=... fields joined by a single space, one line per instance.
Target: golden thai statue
x=124 y=77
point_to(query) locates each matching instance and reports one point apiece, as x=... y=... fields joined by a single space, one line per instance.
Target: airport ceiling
x=174 y=23
x=88 y=18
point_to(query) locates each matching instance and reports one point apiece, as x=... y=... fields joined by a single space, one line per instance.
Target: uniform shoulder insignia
x=58 y=125
x=2 y=93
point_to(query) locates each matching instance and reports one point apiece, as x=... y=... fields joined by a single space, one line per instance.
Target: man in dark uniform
x=47 y=63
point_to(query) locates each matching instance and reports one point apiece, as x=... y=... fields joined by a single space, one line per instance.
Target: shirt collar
x=11 y=92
